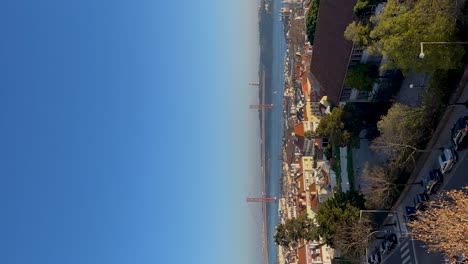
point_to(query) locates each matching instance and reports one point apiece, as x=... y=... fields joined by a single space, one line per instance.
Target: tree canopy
x=310 y=134
x=382 y=189
x=295 y=229
x=362 y=77
x=337 y=224
x=338 y=212
x=400 y=132
x=444 y=225
x=331 y=126
x=401 y=27
x=364 y=8
x=352 y=239
x=311 y=20
x=358 y=33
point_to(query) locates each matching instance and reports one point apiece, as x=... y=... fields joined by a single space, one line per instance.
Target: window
x=442 y=156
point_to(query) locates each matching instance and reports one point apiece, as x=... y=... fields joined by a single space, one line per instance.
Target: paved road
x=403 y=254
x=455 y=180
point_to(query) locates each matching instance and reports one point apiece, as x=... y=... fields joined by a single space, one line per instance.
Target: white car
x=447 y=159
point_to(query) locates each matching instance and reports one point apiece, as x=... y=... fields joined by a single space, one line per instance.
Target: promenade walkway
x=344 y=169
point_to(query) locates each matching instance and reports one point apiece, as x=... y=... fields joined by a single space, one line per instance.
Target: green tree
x=331 y=126
x=310 y=134
x=362 y=77
x=295 y=229
x=364 y=8
x=401 y=27
x=358 y=33
x=401 y=130
x=311 y=20
x=282 y=236
x=338 y=212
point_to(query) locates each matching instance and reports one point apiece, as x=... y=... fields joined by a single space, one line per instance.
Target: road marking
x=414 y=250
x=405 y=253
x=404 y=246
x=406 y=259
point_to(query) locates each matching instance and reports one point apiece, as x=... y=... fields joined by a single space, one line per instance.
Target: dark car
x=433 y=181
x=420 y=201
x=411 y=213
x=459 y=131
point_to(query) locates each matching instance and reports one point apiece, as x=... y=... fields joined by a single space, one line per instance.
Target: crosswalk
x=404 y=251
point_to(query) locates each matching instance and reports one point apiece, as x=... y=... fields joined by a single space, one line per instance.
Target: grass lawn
x=350 y=168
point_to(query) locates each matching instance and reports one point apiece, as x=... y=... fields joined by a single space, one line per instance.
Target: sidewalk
x=344 y=169
x=412 y=96
x=362 y=155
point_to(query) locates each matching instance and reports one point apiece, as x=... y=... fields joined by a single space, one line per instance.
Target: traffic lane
x=425 y=257
x=455 y=180
x=403 y=253
x=444 y=141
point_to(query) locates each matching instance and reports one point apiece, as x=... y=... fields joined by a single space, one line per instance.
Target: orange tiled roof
x=299 y=129
x=301 y=184
x=302 y=254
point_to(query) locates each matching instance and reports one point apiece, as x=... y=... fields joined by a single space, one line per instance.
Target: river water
x=274 y=125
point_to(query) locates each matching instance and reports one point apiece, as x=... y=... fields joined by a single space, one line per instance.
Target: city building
x=333 y=56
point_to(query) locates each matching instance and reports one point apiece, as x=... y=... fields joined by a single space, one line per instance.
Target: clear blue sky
x=125 y=132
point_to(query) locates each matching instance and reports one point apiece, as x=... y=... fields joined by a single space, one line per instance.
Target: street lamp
x=379 y=211
x=369 y=236
x=411 y=86
x=421 y=54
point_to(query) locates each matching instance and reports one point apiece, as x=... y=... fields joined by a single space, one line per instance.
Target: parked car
x=447 y=159
x=383 y=249
x=392 y=240
x=433 y=181
x=420 y=200
x=459 y=131
x=411 y=213
x=372 y=259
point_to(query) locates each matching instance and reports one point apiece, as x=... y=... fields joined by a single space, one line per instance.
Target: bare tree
x=380 y=180
x=444 y=225
x=352 y=239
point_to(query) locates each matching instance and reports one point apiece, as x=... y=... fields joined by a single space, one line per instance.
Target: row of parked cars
x=435 y=178
x=388 y=244
x=432 y=182
x=448 y=158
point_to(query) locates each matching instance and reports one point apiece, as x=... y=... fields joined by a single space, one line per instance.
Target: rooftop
x=331 y=50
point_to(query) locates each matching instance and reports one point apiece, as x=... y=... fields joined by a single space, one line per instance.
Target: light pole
x=369 y=236
x=421 y=54
x=379 y=211
x=411 y=86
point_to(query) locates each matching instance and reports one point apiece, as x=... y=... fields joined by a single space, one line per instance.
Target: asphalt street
x=414 y=252
x=411 y=251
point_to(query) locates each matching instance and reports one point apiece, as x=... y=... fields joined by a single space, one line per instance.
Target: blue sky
x=125 y=132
